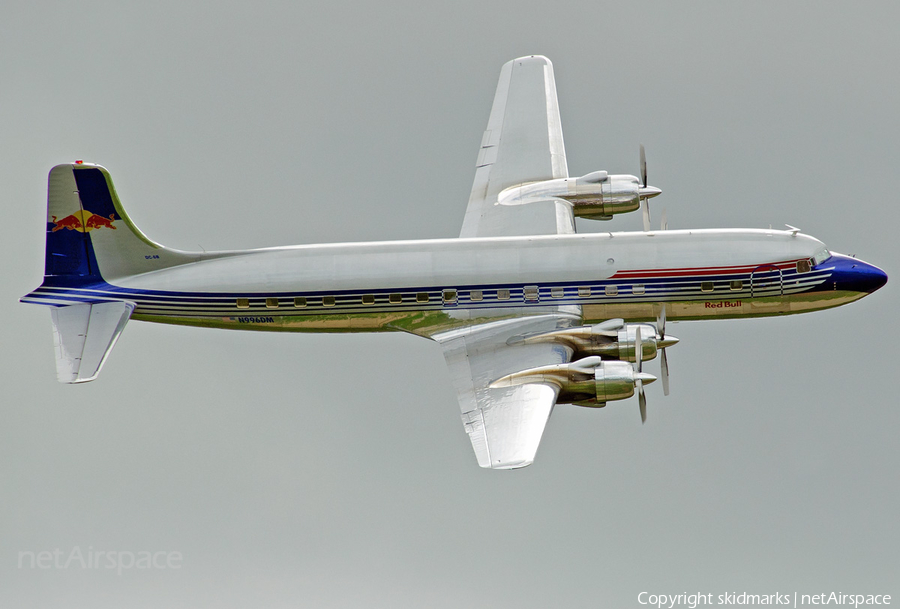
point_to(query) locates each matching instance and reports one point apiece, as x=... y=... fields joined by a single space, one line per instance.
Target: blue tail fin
x=90 y=238
x=68 y=254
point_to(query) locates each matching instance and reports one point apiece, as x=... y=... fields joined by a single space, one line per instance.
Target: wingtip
x=511 y=464
x=533 y=59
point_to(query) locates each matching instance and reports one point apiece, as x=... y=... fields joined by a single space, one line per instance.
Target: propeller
x=645 y=207
x=646 y=192
x=638 y=375
x=662 y=343
x=640 y=378
x=638 y=381
x=643 y=167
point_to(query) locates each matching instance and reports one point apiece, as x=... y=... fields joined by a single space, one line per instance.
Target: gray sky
x=333 y=471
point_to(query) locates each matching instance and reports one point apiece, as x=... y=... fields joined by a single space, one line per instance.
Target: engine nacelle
x=616 y=194
x=625 y=345
x=614 y=381
x=596 y=195
x=587 y=382
x=610 y=340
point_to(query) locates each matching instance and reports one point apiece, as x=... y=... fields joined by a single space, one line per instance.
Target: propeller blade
x=664 y=372
x=663 y=222
x=642 y=401
x=663 y=342
x=638 y=376
x=661 y=322
x=643 y=166
x=638 y=350
x=646 y=192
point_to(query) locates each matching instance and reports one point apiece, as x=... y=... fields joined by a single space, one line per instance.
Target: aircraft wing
x=504 y=424
x=523 y=143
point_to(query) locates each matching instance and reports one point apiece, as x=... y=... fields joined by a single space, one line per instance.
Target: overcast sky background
x=333 y=470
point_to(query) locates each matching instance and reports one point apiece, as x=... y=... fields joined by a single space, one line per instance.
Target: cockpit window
x=821 y=256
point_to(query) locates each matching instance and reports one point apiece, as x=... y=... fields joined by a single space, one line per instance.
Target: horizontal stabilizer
x=84 y=334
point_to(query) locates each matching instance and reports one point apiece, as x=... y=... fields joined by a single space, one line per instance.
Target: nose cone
x=854 y=275
x=648 y=192
x=667 y=342
x=645 y=377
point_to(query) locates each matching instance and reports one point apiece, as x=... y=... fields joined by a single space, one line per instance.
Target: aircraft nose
x=854 y=275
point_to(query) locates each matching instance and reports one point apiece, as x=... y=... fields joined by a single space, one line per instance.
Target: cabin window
x=271 y=303
x=502 y=294
x=638 y=289
x=803 y=266
x=328 y=301
x=395 y=299
x=422 y=297
x=736 y=285
x=300 y=302
x=584 y=292
x=449 y=296
x=612 y=290
x=476 y=295
x=531 y=293
x=368 y=299
x=557 y=292
x=706 y=286
x=243 y=303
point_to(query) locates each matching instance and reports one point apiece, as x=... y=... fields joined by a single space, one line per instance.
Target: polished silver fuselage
x=425 y=286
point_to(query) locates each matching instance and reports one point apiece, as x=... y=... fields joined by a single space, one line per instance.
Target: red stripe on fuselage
x=715 y=270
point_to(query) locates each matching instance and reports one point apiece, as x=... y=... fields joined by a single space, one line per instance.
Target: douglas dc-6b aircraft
x=528 y=313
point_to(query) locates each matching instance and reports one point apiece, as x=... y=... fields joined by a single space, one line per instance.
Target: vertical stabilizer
x=90 y=238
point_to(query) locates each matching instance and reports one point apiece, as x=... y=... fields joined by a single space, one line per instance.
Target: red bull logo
x=83 y=222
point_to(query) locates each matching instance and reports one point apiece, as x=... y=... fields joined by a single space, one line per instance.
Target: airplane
x=528 y=312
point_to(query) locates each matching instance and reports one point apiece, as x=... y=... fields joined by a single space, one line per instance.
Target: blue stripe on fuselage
x=349 y=301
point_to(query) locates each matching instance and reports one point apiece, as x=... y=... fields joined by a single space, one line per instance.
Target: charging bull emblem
x=83 y=221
